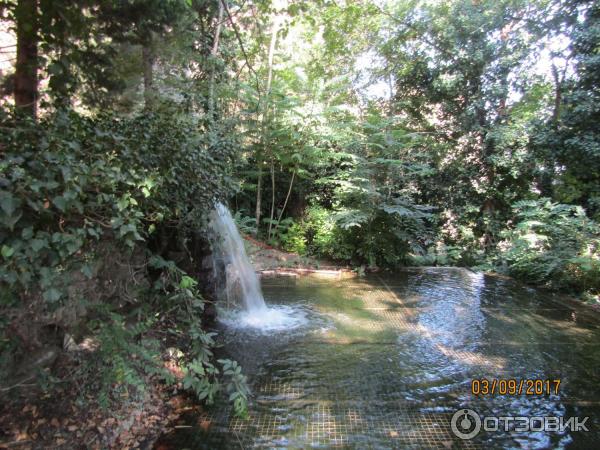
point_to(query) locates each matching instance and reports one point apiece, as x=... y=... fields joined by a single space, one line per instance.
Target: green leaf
x=87 y=271
x=73 y=246
x=202 y=395
x=27 y=233
x=123 y=203
x=11 y=221
x=116 y=222
x=60 y=202
x=55 y=68
x=38 y=244
x=52 y=295
x=187 y=381
x=7 y=251
x=9 y=203
x=187 y=282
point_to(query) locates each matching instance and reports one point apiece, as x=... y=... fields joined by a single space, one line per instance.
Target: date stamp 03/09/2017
x=515 y=386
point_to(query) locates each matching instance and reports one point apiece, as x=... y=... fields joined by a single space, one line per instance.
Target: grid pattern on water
x=331 y=426
x=325 y=398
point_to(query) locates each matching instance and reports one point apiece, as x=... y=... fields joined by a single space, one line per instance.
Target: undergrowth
x=90 y=208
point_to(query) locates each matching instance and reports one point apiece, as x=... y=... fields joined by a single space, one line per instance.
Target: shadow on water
x=386 y=360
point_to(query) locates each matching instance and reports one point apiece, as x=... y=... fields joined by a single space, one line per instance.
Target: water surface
x=384 y=361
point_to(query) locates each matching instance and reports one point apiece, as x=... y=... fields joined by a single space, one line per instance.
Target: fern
x=552 y=243
x=349 y=218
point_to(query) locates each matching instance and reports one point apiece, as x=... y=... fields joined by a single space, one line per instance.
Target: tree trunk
x=287 y=197
x=148 y=58
x=26 y=80
x=265 y=119
x=270 y=59
x=272 y=196
x=258 y=197
x=213 y=53
x=488 y=208
x=557 y=94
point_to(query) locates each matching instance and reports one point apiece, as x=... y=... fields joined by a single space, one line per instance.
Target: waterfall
x=244 y=302
x=240 y=278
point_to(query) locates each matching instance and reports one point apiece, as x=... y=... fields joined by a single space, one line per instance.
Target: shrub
x=292 y=238
x=553 y=244
x=381 y=236
x=84 y=204
x=322 y=235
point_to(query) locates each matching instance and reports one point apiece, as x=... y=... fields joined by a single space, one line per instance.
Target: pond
x=386 y=360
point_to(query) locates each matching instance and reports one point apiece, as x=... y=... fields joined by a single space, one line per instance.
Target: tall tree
x=574 y=136
x=26 y=71
x=455 y=64
x=265 y=118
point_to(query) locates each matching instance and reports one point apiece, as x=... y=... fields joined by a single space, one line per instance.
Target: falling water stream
x=245 y=304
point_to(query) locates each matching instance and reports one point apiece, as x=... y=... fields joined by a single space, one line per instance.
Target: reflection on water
x=385 y=360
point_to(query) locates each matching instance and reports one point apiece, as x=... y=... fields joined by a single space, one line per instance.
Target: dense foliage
x=480 y=106
x=368 y=133
x=553 y=244
x=102 y=209
x=72 y=210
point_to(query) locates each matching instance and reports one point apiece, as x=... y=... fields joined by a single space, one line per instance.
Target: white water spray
x=239 y=273
x=242 y=286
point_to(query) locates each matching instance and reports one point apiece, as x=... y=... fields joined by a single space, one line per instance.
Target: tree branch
x=239 y=38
